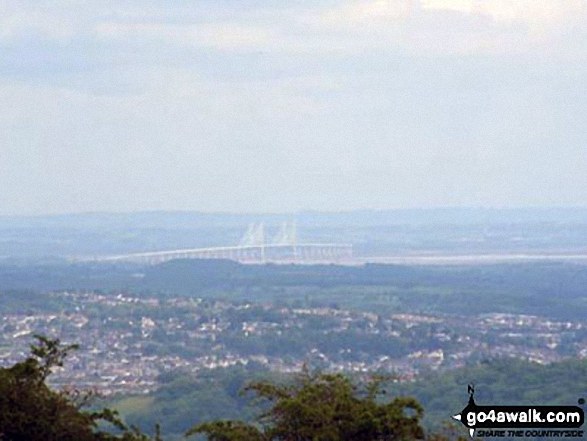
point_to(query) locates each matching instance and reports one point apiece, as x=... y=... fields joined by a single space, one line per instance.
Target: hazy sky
x=272 y=105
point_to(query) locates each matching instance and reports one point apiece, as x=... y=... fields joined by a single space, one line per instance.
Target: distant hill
x=372 y=232
x=548 y=289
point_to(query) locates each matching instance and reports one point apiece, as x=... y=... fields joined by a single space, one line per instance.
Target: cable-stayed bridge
x=283 y=247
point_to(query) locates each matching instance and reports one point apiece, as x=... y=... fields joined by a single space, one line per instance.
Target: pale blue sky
x=270 y=106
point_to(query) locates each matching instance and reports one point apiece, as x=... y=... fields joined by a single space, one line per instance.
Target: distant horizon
x=301 y=211
x=549 y=231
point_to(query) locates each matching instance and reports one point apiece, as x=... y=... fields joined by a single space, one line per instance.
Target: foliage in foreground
x=324 y=407
x=31 y=411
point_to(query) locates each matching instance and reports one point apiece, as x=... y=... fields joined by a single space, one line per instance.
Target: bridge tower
x=287 y=236
x=255 y=237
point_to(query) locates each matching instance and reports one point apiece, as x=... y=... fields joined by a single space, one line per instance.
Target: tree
x=31 y=411
x=323 y=407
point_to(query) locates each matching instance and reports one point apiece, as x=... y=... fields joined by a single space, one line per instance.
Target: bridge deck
x=331 y=252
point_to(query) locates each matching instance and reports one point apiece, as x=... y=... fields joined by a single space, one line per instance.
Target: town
x=126 y=341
